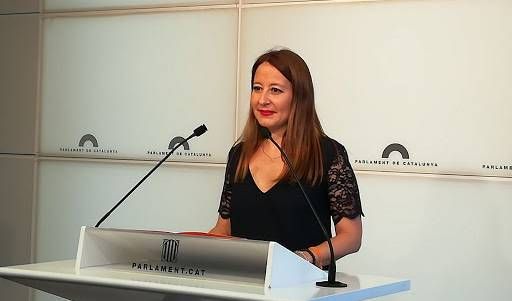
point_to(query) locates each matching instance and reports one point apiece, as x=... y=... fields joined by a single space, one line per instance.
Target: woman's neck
x=278 y=136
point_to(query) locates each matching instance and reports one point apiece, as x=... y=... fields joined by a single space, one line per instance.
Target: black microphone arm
x=331 y=278
x=197 y=132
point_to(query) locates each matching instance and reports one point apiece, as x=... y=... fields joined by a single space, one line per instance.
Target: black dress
x=281 y=214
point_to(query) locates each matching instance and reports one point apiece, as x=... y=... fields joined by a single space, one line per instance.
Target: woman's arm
x=345 y=206
x=222 y=227
x=346 y=241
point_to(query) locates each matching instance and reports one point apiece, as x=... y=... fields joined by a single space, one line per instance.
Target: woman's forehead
x=267 y=73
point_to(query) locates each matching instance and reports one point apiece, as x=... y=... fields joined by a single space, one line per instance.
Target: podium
x=116 y=264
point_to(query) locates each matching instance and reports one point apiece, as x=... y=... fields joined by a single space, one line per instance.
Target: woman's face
x=271 y=98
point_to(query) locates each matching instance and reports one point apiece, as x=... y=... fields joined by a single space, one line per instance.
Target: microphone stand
x=331 y=278
x=197 y=132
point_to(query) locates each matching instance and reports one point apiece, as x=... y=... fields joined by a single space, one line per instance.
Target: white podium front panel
x=194 y=255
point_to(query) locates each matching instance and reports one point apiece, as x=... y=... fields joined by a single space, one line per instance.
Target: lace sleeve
x=225 y=197
x=343 y=193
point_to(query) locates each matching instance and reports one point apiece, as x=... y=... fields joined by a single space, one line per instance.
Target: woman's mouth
x=266 y=112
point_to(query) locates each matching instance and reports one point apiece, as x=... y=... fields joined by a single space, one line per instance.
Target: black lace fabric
x=343 y=193
x=225 y=199
x=227 y=192
x=342 y=190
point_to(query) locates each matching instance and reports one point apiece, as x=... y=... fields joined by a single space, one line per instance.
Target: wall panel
x=72 y=194
x=19 y=37
x=127 y=85
x=449 y=236
x=431 y=76
x=16 y=191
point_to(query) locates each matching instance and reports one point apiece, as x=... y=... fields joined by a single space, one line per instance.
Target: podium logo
x=170 y=250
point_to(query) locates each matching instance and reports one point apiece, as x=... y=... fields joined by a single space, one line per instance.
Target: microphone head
x=200 y=130
x=265 y=133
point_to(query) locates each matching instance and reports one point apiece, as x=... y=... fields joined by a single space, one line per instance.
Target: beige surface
x=19 y=37
x=17 y=6
x=16 y=178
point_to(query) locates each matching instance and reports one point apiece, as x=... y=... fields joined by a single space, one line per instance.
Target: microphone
x=331 y=278
x=197 y=132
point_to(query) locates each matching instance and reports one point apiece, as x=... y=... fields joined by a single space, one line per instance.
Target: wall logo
x=90 y=138
x=497 y=166
x=176 y=140
x=87 y=144
x=170 y=249
x=184 y=151
x=403 y=162
x=395 y=147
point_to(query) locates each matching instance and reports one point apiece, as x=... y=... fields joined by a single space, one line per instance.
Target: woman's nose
x=263 y=98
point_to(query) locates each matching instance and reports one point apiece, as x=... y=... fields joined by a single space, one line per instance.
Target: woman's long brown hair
x=301 y=141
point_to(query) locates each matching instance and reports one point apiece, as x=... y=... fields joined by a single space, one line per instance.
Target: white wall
x=431 y=75
x=449 y=235
x=132 y=81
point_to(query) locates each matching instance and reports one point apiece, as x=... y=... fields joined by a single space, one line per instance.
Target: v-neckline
x=257 y=187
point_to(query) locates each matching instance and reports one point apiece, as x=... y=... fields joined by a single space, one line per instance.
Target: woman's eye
x=256 y=88
x=275 y=90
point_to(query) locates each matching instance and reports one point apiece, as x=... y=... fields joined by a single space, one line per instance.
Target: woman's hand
x=222 y=227
x=346 y=241
x=309 y=256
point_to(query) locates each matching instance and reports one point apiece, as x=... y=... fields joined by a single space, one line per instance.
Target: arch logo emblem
x=176 y=140
x=88 y=137
x=395 y=147
x=382 y=161
x=88 y=144
x=184 y=151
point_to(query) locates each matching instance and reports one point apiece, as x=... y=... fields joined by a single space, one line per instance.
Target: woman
x=260 y=200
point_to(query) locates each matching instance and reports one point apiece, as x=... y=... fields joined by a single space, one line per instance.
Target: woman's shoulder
x=332 y=148
x=233 y=157
x=235 y=152
x=236 y=148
